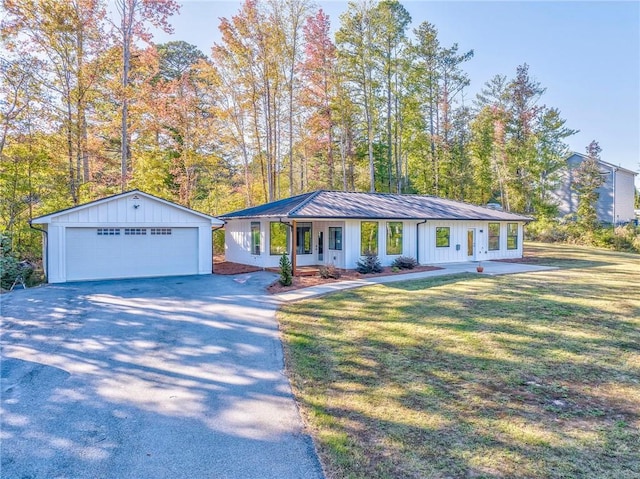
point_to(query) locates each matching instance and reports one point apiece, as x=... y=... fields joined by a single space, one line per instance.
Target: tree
x=134 y=16
x=355 y=42
x=70 y=38
x=320 y=89
x=391 y=22
x=552 y=151
x=587 y=180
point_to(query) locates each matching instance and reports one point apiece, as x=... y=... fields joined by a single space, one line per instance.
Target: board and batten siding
x=421 y=247
x=353 y=245
x=457 y=251
x=122 y=213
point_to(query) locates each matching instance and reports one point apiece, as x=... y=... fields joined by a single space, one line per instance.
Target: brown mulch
x=227 y=267
x=346 y=275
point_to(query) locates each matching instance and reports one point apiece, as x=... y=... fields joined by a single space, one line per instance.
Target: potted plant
x=479 y=268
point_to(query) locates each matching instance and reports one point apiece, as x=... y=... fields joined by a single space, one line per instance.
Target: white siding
x=238 y=241
x=457 y=251
x=128 y=210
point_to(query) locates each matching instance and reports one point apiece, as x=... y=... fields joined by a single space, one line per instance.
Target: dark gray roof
x=346 y=204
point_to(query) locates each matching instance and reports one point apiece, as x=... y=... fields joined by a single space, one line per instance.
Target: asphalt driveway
x=153 y=378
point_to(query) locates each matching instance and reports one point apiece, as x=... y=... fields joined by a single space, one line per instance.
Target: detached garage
x=130 y=235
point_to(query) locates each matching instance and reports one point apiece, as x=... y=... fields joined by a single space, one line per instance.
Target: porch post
x=294 y=247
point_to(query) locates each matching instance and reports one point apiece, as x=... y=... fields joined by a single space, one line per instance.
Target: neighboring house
x=128 y=235
x=616 y=195
x=330 y=227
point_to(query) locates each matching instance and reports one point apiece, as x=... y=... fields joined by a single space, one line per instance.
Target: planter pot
x=479 y=269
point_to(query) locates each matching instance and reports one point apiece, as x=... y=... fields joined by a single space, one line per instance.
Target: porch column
x=294 y=247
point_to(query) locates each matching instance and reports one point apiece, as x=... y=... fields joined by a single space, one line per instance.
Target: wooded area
x=91 y=107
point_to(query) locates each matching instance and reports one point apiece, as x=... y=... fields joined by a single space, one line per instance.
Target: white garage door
x=103 y=253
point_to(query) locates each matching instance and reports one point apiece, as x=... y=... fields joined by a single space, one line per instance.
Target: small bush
x=369 y=264
x=329 y=272
x=286 y=272
x=404 y=262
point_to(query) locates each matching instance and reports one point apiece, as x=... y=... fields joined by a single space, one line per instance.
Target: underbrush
x=621 y=238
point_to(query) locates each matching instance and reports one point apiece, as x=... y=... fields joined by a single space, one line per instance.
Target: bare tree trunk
x=126 y=59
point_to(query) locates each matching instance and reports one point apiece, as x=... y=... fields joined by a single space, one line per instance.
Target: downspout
x=45 y=259
x=418 y=240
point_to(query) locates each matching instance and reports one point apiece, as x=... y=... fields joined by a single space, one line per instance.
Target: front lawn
x=522 y=376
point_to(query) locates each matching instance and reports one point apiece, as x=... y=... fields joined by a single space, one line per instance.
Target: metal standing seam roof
x=346 y=204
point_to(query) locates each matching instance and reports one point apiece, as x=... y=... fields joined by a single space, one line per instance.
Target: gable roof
x=47 y=218
x=604 y=163
x=348 y=204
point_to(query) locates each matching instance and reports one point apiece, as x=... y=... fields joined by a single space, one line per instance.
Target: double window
x=368 y=237
x=494 y=236
x=512 y=235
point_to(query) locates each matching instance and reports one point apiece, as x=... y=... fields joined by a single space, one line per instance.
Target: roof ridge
x=311 y=196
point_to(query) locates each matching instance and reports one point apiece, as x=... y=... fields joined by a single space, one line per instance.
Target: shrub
x=286 y=271
x=11 y=268
x=404 y=262
x=329 y=271
x=369 y=264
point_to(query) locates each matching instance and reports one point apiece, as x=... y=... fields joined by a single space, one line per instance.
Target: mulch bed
x=227 y=267
x=346 y=275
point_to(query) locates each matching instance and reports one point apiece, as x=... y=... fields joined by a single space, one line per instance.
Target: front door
x=320 y=246
x=471 y=244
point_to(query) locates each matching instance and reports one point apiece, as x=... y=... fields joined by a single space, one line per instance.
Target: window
x=512 y=235
x=108 y=231
x=135 y=231
x=494 y=236
x=443 y=234
x=394 y=237
x=278 y=238
x=368 y=237
x=255 y=237
x=160 y=231
x=335 y=238
x=303 y=238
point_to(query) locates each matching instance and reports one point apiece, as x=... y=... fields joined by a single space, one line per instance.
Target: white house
x=331 y=227
x=615 y=197
x=132 y=234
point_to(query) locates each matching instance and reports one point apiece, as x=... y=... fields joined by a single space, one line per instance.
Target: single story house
x=616 y=195
x=338 y=228
x=129 y=235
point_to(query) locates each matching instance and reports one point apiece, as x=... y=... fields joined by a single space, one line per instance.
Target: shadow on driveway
x=165 y=377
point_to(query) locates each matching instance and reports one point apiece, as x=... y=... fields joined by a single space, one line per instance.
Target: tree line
x=279 y=106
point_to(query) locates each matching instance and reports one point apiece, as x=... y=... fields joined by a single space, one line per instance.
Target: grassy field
x=521 y=376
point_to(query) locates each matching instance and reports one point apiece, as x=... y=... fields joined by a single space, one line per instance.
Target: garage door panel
x=110 y=253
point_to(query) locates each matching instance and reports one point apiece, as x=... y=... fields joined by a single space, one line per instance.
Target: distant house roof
x=604 y=163
x=346 y=204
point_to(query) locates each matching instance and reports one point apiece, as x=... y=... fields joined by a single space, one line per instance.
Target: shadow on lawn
x=527 y=376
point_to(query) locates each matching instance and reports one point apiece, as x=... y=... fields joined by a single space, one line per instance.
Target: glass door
x=320 y=246
x=471 y=243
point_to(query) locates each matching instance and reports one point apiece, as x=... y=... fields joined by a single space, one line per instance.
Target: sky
x=586 y=55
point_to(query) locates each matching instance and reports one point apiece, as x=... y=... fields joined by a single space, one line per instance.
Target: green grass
x=529 y=376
